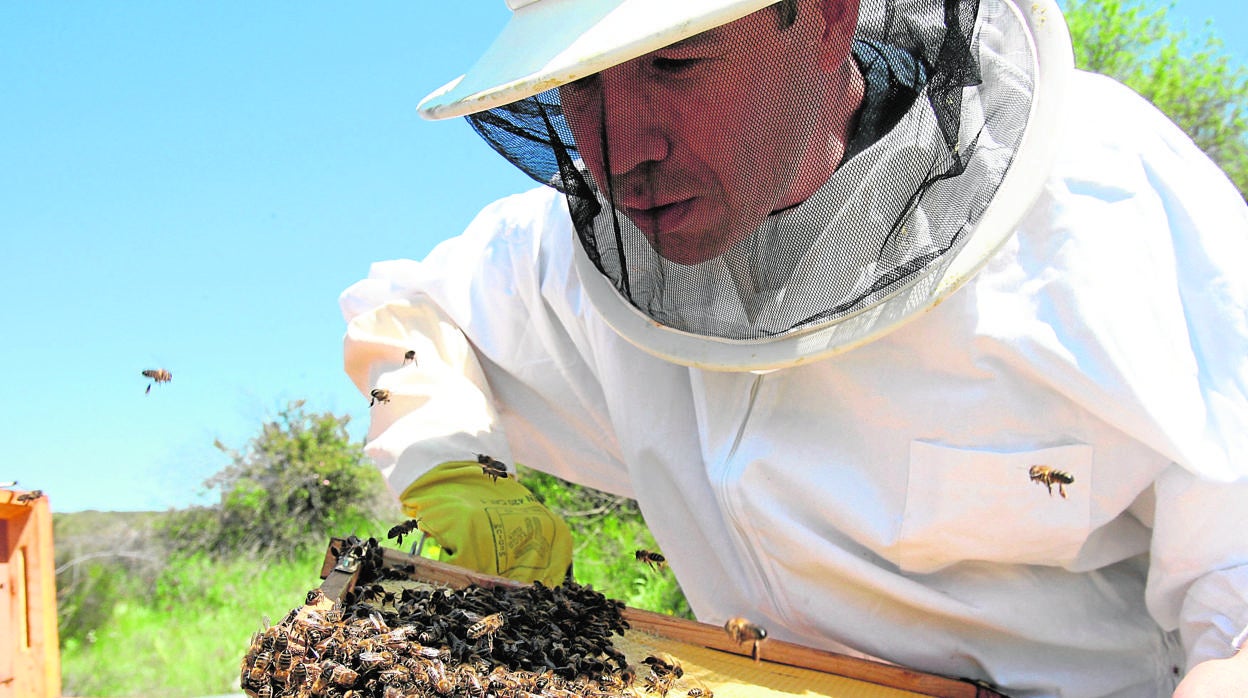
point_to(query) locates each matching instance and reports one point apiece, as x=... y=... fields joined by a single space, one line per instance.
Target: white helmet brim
x=548 y=43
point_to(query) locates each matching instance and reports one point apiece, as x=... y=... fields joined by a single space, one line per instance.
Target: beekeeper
x=909 y=340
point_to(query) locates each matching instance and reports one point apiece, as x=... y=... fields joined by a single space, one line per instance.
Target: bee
x=315 y=597
x=438 y=678
x=470 y=682
x=378 y=395
x=741 y=630
x=698 y=690
x=283 y=661
x=158 y=375
x=298 y=677
x=260 y=666
x=318 y=675
x=491 y=466
x=486 y=627
x=1048 y=477
x=655 y=560
x=659 y=683
x=619 y=681
x=343 y=676
x=409 y=357
x=397 y=532
x=29 y=496
x=664 y=664
x=281 y=639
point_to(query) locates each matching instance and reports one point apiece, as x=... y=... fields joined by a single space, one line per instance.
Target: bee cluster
x=477 y=642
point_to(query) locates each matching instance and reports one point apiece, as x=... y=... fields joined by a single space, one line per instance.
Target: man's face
x=706 y=137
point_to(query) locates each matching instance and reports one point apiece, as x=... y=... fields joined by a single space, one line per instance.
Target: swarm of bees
x=158 y=375
x=653 y=559
x=1048 y=477
x=491 y=466
x=523 y=642
x=378 y=395
x=742 y=631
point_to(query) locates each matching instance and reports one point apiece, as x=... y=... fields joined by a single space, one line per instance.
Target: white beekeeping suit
x=876 y=495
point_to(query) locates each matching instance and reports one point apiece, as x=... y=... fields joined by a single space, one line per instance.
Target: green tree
x=1193 y=80
x=298 y=482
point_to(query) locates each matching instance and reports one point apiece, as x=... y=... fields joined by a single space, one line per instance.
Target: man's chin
x=683 y=251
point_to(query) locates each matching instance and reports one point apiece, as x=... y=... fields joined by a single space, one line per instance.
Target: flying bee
x=29 y=496
x=409 y=357
x=397 y=532
x=742 y=630
x=486 y=627
x=158 y=375
x=1048 y=477
x=492 y=466
x=378 y=395
x=655 y=560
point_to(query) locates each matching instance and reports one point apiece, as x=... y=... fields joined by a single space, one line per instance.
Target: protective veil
x=792 y=183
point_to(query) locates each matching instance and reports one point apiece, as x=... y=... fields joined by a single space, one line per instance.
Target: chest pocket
x=964 y=504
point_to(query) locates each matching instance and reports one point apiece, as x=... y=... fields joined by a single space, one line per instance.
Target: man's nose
x=632 y=119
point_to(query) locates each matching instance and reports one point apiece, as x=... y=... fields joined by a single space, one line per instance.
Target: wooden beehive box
x=29 y=647
x=706 y=651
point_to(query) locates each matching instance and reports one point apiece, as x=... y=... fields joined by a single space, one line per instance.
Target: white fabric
x=880 y=499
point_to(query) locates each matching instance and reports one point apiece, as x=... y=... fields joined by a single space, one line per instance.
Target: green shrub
x=300 y=481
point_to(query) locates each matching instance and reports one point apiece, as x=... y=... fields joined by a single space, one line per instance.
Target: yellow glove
x=490 y=524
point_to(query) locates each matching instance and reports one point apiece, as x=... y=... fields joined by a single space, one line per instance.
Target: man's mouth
x=654 y=218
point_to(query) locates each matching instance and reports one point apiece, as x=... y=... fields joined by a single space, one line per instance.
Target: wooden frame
x=340 y=574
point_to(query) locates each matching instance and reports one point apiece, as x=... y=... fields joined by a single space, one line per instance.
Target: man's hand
x=489 y=523
x=1216 y=678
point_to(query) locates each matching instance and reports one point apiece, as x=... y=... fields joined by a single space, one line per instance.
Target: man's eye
x=674 y=65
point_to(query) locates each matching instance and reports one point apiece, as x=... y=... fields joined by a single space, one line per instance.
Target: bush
x=300 y=481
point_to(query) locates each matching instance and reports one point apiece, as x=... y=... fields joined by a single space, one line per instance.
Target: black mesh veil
x=787 y=169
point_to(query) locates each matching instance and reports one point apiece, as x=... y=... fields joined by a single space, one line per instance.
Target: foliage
x=300 y=481
x=96 y=555
x=184 y=634
x=607 y=530
x=1194 y=81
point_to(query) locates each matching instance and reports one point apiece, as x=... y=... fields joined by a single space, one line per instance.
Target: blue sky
x=190 y=186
